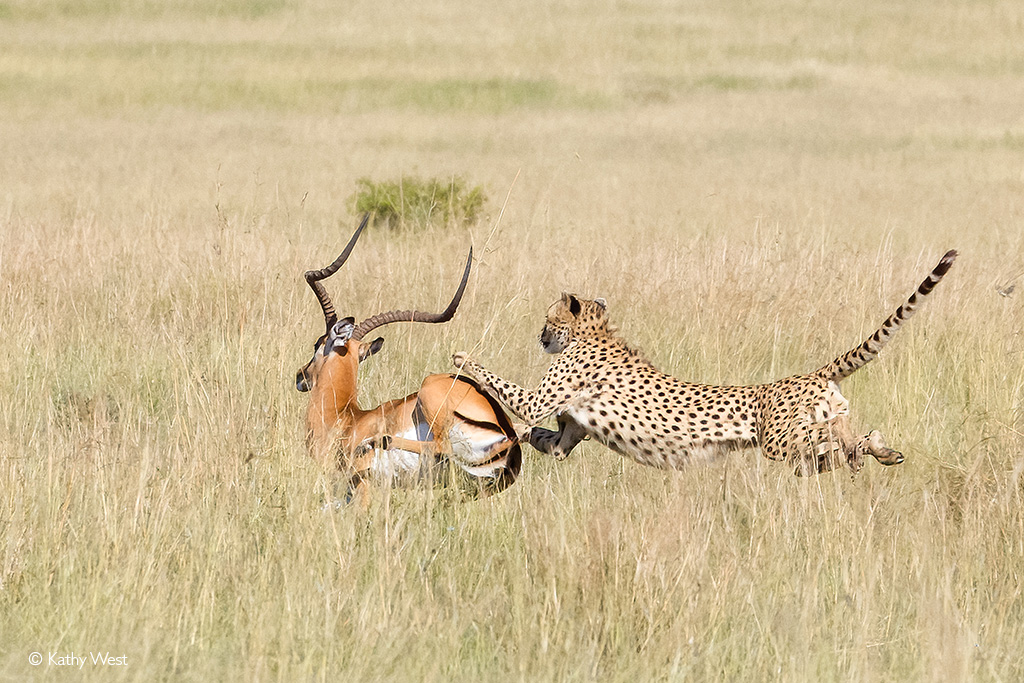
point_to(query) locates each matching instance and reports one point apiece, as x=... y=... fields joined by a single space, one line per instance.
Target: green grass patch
x=752 y=82
x=412 y=202
x=669 y=88
x=202 y=77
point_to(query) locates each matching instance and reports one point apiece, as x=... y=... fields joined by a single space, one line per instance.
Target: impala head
x=338 y=352
x=572 y=318
x=338 y=349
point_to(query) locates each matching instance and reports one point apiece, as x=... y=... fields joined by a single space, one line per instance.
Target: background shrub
x=412 y=202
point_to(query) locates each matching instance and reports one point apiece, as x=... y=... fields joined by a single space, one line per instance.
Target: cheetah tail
x=853 y=360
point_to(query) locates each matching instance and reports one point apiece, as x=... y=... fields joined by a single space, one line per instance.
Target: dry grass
x=752 y=187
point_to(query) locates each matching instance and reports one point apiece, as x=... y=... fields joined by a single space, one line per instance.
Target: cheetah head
x=572 y=318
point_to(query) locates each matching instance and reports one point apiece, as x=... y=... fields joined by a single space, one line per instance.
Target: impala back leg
x=819 y=447
x=471 y=429
x=358 y=492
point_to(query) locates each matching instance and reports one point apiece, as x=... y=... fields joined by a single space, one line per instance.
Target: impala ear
x=367 y=350
x=303 y=382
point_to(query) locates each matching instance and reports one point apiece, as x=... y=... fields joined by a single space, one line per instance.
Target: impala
x=448 y=426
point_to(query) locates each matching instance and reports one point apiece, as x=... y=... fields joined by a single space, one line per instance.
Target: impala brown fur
x=448 y=424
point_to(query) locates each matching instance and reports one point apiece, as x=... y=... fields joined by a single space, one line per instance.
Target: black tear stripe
x=845 y=365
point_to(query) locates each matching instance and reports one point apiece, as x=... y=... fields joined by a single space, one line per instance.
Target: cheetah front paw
x=523 y=431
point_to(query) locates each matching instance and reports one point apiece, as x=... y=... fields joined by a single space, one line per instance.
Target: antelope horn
x=380 y=319
x=313 y=277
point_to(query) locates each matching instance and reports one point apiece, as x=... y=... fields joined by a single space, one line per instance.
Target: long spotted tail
x=853 y=360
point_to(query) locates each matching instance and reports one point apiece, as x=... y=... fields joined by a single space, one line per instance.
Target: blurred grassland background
x=753 y=186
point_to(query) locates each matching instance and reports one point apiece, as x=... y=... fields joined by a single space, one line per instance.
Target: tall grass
x=753 y=188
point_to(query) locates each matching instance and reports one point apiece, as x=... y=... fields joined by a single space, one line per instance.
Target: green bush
x=415 y=203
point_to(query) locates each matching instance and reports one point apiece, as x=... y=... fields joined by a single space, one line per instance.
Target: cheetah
x=600 y=387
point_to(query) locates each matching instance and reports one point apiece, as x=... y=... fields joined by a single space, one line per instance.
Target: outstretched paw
x=523 y=431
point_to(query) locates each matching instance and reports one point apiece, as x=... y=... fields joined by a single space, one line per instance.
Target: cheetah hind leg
x=835 y=443
x=824 y=455
x=874 y=443
x=829 y=444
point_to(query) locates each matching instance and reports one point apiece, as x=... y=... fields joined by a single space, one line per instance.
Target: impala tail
x=856 y=358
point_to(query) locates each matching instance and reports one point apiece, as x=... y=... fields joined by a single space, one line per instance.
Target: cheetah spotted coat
x=599 y=387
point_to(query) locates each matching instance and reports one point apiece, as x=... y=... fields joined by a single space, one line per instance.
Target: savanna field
x=752 y=186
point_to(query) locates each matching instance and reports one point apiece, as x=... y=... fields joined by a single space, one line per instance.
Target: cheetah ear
x=574 y=305
x=601 y=302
